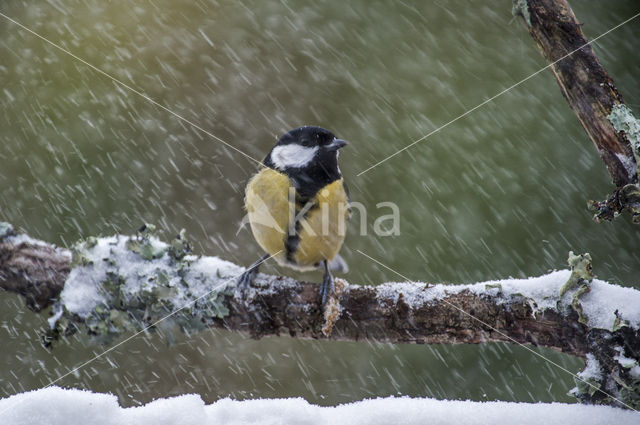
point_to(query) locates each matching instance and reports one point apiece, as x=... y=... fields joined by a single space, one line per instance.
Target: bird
x=298 y=204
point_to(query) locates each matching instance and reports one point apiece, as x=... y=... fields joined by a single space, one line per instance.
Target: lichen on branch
x=123 y=283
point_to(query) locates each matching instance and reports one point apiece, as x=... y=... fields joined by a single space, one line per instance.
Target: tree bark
x=591 y=94
x=394 y=313
x=33 y=269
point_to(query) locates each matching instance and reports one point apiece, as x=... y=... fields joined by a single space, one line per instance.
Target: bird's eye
x=327 y=140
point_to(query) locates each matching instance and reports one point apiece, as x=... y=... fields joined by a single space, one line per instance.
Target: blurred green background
x=502 y=192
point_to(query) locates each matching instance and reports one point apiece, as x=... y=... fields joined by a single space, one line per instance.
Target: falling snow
x=499 y=193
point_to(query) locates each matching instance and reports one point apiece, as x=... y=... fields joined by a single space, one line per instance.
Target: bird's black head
x=309 y=156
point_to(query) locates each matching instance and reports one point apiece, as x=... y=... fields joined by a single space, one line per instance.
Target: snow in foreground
x=69 y=406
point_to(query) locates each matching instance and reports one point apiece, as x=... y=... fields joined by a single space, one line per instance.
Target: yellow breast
x=318 y=234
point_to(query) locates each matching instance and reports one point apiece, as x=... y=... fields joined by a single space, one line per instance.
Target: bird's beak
x=336 y=144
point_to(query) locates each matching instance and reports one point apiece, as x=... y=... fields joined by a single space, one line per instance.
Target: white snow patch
x=415 y=294
x=82 y=291
x=544 y=290
x=22 y=238
x=56 y=405
x=624 y=361
x=599 y=305
x=628 y=163
x=592 y=369
x=58 y=311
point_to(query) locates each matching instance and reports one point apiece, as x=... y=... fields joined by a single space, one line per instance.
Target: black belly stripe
x=291 y=242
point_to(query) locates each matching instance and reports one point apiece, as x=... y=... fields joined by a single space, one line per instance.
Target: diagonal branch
x=593 y=97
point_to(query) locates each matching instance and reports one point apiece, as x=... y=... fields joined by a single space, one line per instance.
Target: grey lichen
x=497 y=286
x=179 y=246
x=143 y=245
x=612 y=373
x=577 y=306
x=521 y=8
x=629 y=198
x=623 y=120
x=140 y=280
x=581 y=276
x=590 y=380
x=589 y=385
x=214 y=305
x=630 y=392
x=581 y=271
x=619 y=323
x=626 y=198
x=627 y=376
x=79 y=251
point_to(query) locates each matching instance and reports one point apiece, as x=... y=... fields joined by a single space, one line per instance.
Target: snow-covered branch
x=114 y=285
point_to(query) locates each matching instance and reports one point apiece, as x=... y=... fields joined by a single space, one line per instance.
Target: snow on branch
x=120 y=284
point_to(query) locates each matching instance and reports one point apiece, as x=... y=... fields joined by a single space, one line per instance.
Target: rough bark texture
x=36 y=271
x=587 y=87
x=365 y=316
x=278 y=305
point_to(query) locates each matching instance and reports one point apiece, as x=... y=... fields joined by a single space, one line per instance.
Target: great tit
x=298 y=205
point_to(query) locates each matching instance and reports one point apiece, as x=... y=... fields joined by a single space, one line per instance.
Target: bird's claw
x=247 y=278
x=327 y=286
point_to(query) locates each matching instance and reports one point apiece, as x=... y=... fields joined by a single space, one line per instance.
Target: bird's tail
x=337 y=264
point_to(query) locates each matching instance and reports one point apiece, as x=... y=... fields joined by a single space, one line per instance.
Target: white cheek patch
x=292 y=156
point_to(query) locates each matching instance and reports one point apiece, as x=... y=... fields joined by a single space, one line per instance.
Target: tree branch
x=593 y=97
x=32 y=268
x=122 y=284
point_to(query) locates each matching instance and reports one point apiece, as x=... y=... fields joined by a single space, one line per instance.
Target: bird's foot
x=247 y=278
x=327 y=287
